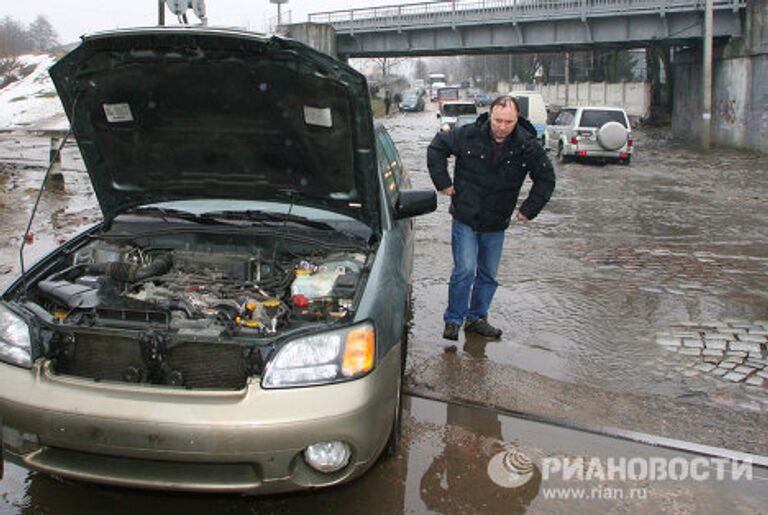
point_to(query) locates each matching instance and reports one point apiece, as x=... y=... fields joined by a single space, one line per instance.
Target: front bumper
x=247 y=441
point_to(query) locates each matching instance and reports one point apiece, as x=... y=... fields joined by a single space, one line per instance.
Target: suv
x=453 y=111
x=591 y=132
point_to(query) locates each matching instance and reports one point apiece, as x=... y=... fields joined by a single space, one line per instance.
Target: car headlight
x=323 y=358
x=15 y=346
x=445 y=127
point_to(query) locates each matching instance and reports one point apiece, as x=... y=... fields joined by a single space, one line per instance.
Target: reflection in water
x=457 y=480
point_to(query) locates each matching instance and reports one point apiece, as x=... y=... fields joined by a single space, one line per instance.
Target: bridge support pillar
x=319 y=36
x=739 y=97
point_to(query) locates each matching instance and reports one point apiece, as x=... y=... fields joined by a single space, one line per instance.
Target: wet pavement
x=598 y=296
x=449 y=463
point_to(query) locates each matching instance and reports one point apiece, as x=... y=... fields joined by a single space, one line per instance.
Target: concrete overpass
x=524 y=26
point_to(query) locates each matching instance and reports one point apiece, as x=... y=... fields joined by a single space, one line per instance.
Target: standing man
x=387 y=101
x=493 y=157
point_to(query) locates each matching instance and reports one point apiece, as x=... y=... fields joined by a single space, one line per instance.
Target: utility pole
x=567 y=75
x=706 y=72
x=161 y=12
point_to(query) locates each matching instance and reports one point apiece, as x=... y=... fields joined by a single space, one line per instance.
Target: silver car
x=237 y=321
x=597 y=133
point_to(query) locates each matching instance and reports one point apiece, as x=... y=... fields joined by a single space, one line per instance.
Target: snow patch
x=32 y=102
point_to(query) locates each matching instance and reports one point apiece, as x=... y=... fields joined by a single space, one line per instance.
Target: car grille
x=103 y=357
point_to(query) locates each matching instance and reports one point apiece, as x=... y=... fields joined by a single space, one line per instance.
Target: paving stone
x=759 y=332
x=755 y=381
x=734 y=377
x=737 y=330
x=668 y=341
x=719 y=371
x=691 y=373
x=728 y=365
x=716 y=344
x=675 y=291
x=712 y=352
x=759 y=356
x=740 y=357
x=705 y=367
x=755 y=338
x=693 y=342
x=742 y=325
x=686 y=334
x=712 y=359
x=747 y=371
x=755 y=364
x=736 y=321
x=718 y=336
x=763 y=373
x=689 y=351
x=744 y=346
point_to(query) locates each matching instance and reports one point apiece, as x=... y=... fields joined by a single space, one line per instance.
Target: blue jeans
x=476 y=257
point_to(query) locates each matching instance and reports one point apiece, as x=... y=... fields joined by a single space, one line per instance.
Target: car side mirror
x=414 y=203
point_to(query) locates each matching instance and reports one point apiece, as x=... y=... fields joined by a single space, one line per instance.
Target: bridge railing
x=460 y=12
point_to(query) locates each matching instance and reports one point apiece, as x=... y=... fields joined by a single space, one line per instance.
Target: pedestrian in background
x=493 y=157
x=387 y=101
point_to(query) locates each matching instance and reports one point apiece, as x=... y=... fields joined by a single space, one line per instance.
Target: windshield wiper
x=254 y=215
x=204 y=218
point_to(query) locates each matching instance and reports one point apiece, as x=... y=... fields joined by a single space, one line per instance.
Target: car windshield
x=410 y=98
x=598 y=118
x=459 y=109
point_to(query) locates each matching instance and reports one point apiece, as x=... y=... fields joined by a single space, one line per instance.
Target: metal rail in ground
x=611 y=432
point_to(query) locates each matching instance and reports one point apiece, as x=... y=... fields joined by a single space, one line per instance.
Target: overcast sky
x=72 y=18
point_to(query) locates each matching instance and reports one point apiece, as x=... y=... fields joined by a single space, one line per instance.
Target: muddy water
x=619 y=254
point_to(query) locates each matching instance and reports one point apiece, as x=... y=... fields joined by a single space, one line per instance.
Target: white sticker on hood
x=320 y=116
x=118 y=113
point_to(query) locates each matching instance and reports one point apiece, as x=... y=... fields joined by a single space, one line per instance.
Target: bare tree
x=13 y=38
x=386 y=64
x=42 y=36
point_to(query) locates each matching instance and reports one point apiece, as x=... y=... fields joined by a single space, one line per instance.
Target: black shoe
x=451 y=331
x=483 y=328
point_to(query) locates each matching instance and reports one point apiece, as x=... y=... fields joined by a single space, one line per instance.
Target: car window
x=598 y=118
x=564 y=118
x=523 y=103
x=459 y=109
x=389 y=162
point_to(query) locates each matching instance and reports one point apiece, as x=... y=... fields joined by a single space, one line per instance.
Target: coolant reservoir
x=317 y=285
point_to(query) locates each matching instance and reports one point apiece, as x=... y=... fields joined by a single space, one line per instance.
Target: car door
x=562 y=123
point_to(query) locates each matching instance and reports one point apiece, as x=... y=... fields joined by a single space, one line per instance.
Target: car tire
x=612 y=136
x=561 y=157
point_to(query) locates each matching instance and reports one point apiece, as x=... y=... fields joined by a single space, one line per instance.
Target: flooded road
x=612 y=303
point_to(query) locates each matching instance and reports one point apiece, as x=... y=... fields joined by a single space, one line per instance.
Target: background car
x=237 y=322
x=598 y=133
x=411 y=102
x=453 y=110
x=480 y=98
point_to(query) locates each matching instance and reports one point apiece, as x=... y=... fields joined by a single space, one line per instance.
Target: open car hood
x=186 y=113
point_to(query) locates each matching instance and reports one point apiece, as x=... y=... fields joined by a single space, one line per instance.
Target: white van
x=532 y=107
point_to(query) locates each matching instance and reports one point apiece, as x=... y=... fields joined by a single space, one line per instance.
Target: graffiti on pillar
x=725 y=110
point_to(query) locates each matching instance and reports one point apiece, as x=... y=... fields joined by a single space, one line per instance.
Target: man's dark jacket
x=486 y=188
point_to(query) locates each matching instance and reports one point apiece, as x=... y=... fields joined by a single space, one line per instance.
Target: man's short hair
x=505 y=101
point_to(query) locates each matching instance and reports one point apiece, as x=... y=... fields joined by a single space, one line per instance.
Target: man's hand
x=448 y=191
x=522 y=217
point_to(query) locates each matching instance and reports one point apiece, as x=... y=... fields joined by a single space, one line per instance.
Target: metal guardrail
x=462 y=12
